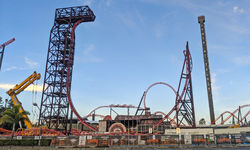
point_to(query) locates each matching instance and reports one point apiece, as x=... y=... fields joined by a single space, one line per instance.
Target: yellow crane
x=18 y=89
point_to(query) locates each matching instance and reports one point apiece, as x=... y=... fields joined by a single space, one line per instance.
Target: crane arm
x=19 y=88
x=7 y=43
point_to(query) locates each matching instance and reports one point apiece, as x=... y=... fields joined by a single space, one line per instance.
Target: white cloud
x=242 y=60
x=139 y=17
x=175 y=60
x=132 y=18
x=236 y=9
x=85 y=2
x=88 y=55
x=236 y=28
x=11 y=68
x=89 y=49
x=108 y=3
x=215 y=87
x=32 y=64
x=213 y=78
x=127 y=20
x=7 y=86
x=159 y=30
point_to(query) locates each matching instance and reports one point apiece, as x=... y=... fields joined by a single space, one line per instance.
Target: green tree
x=2 y=109
x=202 y=121
x=4 y=104
x=13 y=116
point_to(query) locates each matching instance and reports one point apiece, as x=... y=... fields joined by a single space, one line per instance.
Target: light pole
x=35 y=104
x=39 y=137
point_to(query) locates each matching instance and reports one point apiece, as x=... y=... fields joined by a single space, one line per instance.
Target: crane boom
x=3 y=46
x=7 y=43
x=18 y=89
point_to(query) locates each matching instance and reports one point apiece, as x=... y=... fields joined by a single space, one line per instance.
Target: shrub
x=24 y=142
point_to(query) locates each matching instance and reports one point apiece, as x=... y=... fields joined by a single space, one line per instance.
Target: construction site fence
x=124 y=140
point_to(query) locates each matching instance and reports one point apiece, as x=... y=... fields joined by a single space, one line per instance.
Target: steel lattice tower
x=184 y=101
x=54 y=107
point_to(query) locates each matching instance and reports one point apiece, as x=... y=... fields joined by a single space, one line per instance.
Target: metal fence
x=150 y=140
x=137 y=140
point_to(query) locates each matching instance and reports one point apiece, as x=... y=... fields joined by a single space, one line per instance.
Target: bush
x=24 y=142
x=45 y=142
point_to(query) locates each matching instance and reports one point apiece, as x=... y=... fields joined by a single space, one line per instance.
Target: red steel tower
x=184 y=100
x=54 y=107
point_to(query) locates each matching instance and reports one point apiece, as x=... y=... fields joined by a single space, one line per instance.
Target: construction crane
x=201 y=20
x=3 y=47
x=18 y=89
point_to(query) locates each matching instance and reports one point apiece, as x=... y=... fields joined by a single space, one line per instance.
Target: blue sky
x=131 y=45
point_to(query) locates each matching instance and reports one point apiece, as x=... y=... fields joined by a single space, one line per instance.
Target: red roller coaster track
x=222 y=114
x=72 y=107
x=171 y=120
x=157 y=83
x=232 y=114
x=109 y=106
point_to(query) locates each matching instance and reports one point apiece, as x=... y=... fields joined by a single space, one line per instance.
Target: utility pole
x=201 y=20
x=3 y=47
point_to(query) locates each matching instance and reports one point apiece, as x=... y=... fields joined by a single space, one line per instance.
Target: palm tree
x=12 y=116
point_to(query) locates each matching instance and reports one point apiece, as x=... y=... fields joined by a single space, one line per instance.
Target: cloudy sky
x=131 y=45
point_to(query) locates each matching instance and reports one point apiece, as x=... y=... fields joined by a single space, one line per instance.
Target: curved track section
x=68 y=76
x=222 y=114
x=157 y=83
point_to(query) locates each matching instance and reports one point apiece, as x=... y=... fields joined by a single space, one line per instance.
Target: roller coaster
x=184 y=101
x=57 y=107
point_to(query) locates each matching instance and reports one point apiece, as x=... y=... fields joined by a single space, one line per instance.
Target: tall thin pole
x=201 y=20
x=1 y=58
